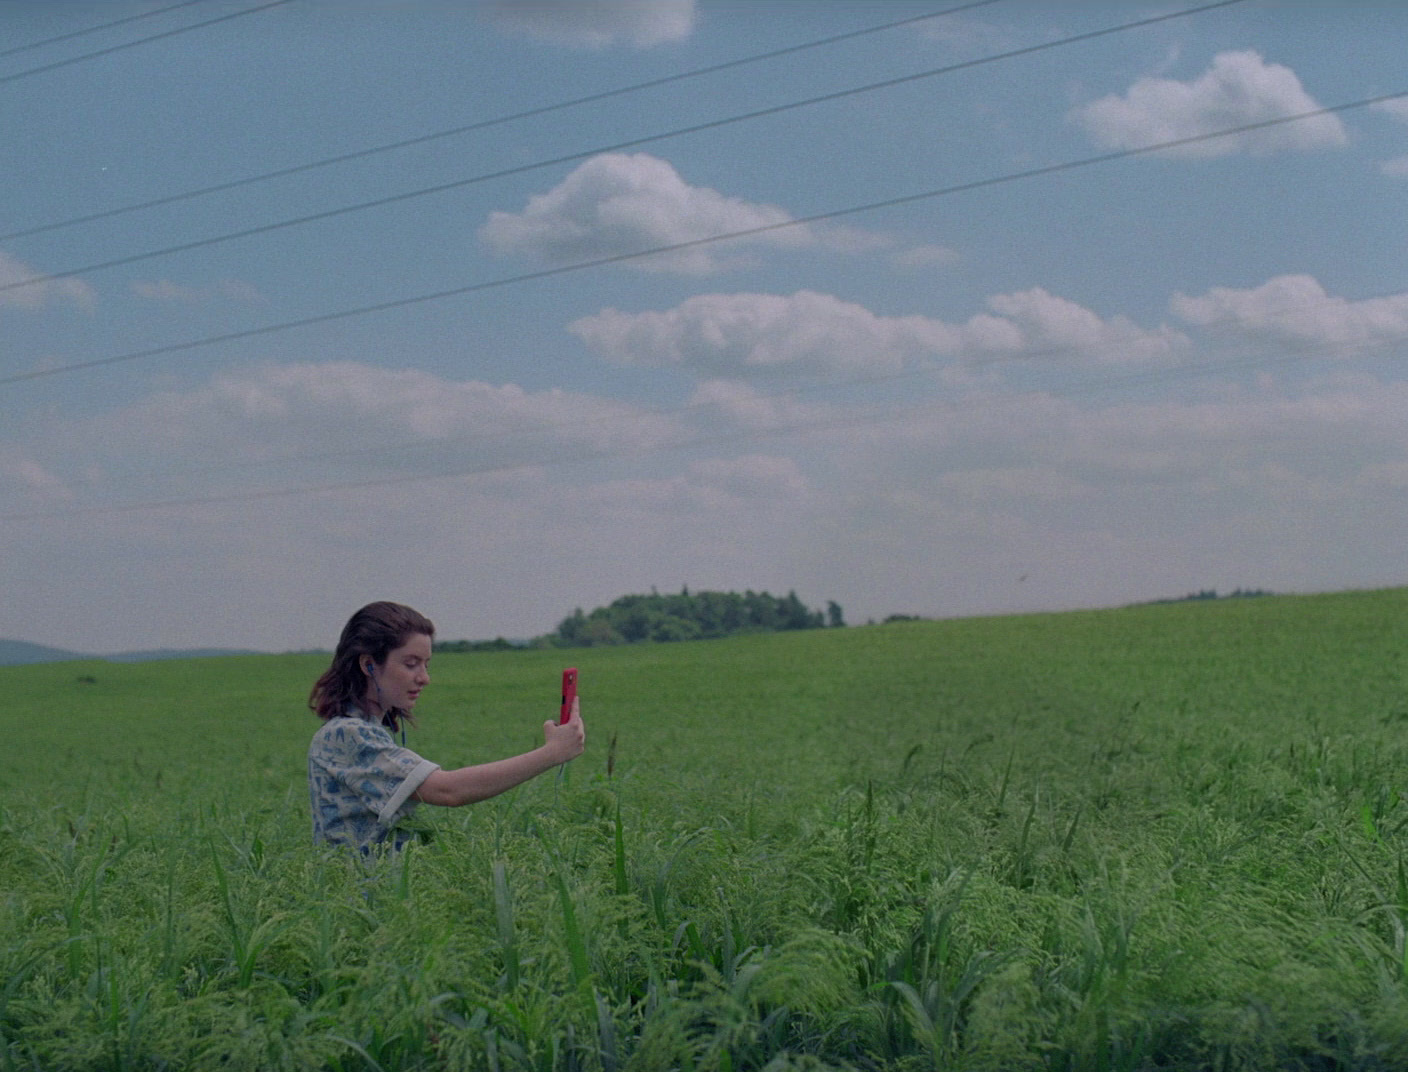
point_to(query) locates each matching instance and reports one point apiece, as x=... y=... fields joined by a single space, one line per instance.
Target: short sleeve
x=361 y=782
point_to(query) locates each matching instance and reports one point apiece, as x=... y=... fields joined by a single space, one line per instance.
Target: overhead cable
x=140 y=41
x=631 y=143
x=619 y=258
x=483 y=124
x=94 y=29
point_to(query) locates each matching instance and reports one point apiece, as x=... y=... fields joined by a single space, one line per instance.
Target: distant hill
x=176 y=653
x=20 y=652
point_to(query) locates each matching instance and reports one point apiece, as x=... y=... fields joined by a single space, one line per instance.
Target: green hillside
x=1158 y=837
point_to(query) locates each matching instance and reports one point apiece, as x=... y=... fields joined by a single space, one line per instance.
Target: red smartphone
x=569 y=693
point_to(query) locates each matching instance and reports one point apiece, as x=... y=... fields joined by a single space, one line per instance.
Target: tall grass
x=1161 y=837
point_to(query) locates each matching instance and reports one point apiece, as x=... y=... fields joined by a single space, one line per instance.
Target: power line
x=140 y=41
x=95 y=29
x=713 y=124
x=485 y=123
x=619 y=258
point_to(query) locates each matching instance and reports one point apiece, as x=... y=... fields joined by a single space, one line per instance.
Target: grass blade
x=503 y=910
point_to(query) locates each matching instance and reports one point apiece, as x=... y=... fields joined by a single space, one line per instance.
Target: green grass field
x=1164 y=837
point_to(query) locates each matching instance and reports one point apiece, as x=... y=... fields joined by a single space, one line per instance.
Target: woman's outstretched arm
x=468 y=785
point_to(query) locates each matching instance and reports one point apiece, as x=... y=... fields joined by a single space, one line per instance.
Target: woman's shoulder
x=343 y=730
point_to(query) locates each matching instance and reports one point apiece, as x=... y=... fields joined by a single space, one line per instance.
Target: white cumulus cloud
x=737 y=334
x=1048 y=323
x=597 y=23
x=1240 y=88
x=1297 y=309
x=618 y=204
x=733 y=335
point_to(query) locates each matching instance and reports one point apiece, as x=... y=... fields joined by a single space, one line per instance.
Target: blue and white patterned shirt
x=360 y=781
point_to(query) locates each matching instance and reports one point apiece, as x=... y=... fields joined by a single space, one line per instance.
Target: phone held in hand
x=569 y=693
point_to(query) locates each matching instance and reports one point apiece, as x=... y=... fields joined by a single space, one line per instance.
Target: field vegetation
x=1161 y=837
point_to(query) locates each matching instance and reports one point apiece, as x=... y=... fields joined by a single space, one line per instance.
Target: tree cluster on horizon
x=653 y=618
x=635 y=619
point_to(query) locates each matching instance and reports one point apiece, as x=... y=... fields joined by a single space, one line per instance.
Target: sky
x=503 y=309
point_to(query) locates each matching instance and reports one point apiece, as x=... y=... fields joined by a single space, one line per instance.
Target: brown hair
x=376 y=630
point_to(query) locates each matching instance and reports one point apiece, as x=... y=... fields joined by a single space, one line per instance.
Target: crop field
x=1162 y=837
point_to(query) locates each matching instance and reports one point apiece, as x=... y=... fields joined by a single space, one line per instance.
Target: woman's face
x=400 y=679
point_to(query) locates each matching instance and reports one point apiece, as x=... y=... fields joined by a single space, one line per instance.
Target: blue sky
x=1137 y=373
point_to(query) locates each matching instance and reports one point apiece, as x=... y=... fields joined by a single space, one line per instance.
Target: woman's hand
x=566 y=740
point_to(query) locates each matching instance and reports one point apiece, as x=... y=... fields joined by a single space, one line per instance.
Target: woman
x=361 y=783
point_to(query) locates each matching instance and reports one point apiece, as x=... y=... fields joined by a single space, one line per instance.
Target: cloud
x=750 y=478
x=739 y=406
x=1296 y=309
x=618 y=204
x=1053 y=324
x=964 y=34
x=1239 y=89
x=1039 y=483
x=597 y=23
x=316 y=424
x=374 y=410
x=739 y=335
x=1398 y=108
x=42 y=291
x=26 y=475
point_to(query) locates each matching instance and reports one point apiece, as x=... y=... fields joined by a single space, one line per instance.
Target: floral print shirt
x=360 y=781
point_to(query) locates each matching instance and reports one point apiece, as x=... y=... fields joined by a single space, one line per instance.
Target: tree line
x=656 y=618
x=1211 y=593
x=637 y=619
